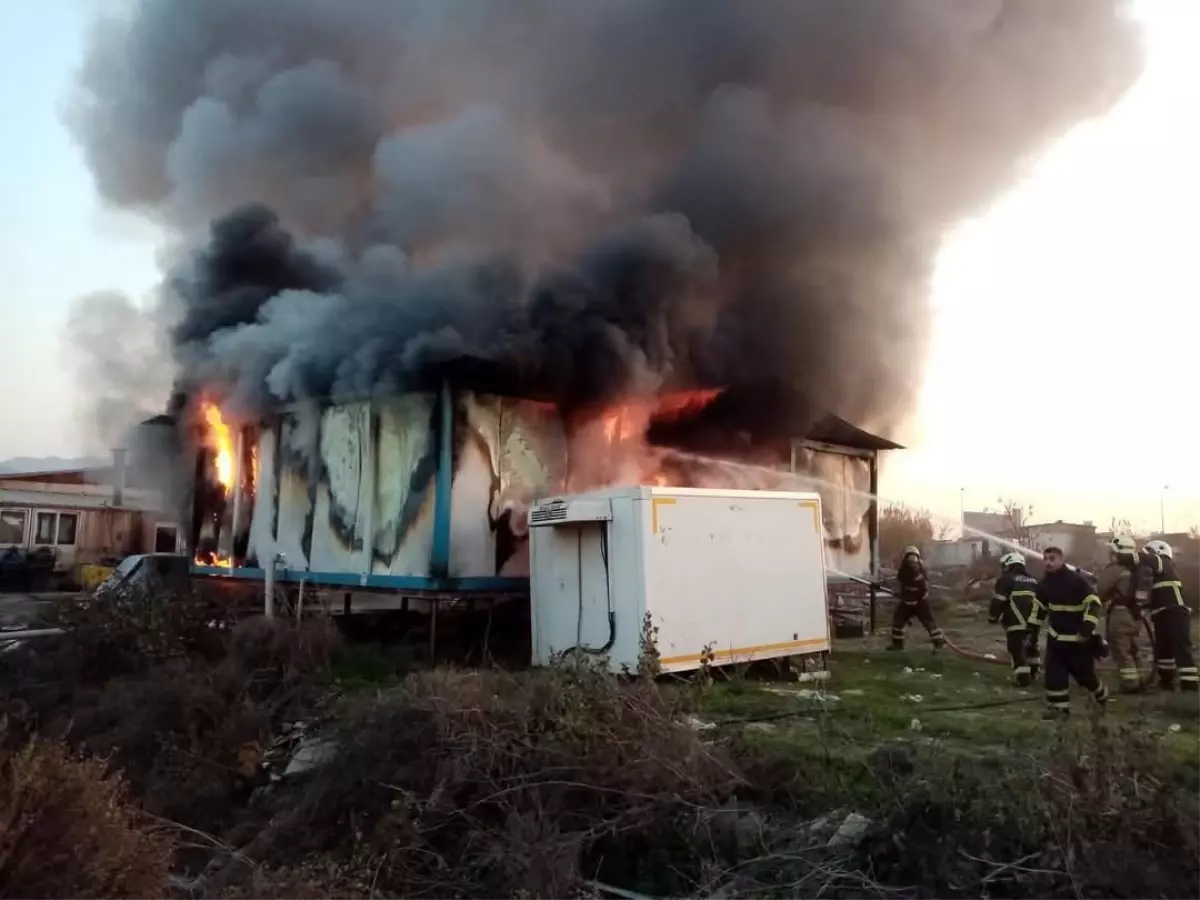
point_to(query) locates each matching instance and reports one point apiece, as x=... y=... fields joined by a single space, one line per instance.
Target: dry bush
x=491 y=784
x=185 y=717
x=1106 y=815
x=67 y=830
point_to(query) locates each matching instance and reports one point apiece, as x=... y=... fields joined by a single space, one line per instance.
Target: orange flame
x=610 y=446
x=213 y=560
x=220 y=442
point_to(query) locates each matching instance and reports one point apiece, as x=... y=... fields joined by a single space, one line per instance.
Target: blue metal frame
x=439 y=557
x=383 y=582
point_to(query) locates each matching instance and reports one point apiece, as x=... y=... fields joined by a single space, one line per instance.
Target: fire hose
x=980 y=657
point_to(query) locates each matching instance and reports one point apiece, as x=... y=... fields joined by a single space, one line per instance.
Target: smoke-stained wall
x=374 y=472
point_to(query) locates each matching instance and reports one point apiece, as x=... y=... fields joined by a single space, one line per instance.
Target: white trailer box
x=741 y=572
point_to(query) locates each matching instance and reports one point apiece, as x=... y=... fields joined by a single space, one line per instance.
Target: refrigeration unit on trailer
x=739 y=574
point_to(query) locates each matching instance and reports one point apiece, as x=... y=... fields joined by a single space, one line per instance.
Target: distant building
x=85 y=515
x=1077 y=541
x=948 y=554
x=985 y=528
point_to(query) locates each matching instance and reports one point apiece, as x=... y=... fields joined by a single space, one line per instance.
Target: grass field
x=874 y=696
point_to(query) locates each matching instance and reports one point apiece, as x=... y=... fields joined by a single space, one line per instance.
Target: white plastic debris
x=918 y=669
x=915 y=725
x=907 y=670
x=1174 y=727
x=853 y=692
x=935 y=675
x=852 y=829
x=802 y=693
x=913 y=698
x=311 y=754
x=699 y=724
x=989 y=656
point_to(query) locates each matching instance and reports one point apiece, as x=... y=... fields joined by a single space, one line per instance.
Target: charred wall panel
x=406 y=471
x=295 y=505
x=260 y=548
x=844 y=483
x=507 y=453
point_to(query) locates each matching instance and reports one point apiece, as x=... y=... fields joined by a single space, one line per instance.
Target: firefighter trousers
x=1124 y=629
x=1173 y=649
x=906 y=610
x=1022 y=651
x=1066 y=660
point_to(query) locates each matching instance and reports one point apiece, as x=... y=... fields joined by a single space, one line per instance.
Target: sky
x=1066 y=316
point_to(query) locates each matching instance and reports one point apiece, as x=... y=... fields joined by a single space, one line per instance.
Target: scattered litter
x=761 y=726
x=802 y=693
x=989 y=656
x=699 y=724
x=1173 y=727
x=915 y=725
x=913 y=698
x=907 y=670
x=918 y=669
x=853 y=692
x=812 y=676
x=935 y=675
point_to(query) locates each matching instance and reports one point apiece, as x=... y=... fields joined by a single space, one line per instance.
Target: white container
x=741 y=572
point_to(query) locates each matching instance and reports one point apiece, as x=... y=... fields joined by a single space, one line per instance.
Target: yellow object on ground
x=92 y=576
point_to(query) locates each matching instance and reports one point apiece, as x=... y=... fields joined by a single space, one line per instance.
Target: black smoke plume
x=576 y=199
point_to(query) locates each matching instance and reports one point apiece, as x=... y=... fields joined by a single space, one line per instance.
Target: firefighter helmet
x=912 y=551
x=1121 y=544
x=1011 y=559
x=1161 y=548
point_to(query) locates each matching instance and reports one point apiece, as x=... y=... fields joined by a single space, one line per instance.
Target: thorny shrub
x=1106 y=815
x=67 y=830
x=180 y=698
x=490 y=784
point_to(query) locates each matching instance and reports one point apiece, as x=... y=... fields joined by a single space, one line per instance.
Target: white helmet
x=1011 y=559
x=1121 y=544
x=912 y=551
x=1160 y=548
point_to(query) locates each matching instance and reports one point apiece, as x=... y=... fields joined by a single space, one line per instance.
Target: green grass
x=885 y=697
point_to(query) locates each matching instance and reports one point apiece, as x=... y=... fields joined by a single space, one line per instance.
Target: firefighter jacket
x=1116 y=583
x=1013 y=599
x=1067 y=606
x=914 y=587
x=1167 y=590
x=1148 y=565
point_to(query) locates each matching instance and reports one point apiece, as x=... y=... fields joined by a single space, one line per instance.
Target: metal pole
x=873 y=534
x=269 y=589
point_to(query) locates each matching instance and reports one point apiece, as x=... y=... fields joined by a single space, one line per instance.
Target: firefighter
x=1069 y=610
x=1118 y=589
x=914 y=601
x=1013 y=600
x=1172 y=628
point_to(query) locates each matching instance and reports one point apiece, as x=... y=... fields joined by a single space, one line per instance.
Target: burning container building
x=426 y=493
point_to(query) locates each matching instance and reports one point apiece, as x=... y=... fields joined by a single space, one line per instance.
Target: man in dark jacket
x=1070 y=611
x=1013 y=600
x=913 y=601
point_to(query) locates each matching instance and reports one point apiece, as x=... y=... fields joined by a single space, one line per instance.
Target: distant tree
x=1016 y=518
x=901 y=527
x=1194 y=532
